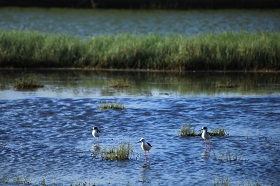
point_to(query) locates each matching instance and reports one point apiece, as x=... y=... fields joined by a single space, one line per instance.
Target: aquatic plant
x=26 y=84
x=118 y=84
x=110 y=105
x=218 y=132
x=187 y=130
x=222 y=51
x=227 y=85
x=120 y=153
x=5 y=179
x=224 y=181
x=221 y=181
x=228 y=156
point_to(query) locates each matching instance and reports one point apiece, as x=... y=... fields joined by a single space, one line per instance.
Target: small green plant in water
x=119 y=84
x=27 y=84
x=221 y=181
x=120 y=153
x=187 y=130
x=218 y=132
x=113 y=106
x=5 y=179
x=228 y=156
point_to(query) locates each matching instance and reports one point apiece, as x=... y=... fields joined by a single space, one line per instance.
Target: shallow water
x=86 y=23
x=49 y=137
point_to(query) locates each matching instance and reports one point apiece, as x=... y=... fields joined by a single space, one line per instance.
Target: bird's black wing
x=149 y=144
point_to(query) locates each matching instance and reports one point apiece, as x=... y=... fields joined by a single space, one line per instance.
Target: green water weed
x=119 y=153
x=27 y=83
x=187 y=130
x=111 y=106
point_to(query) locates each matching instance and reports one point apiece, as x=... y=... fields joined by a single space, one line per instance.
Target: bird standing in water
x=145 y=146
x=206 y=136
x=96 y=133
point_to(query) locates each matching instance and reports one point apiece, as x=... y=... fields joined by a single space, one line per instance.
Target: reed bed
x=223 y=51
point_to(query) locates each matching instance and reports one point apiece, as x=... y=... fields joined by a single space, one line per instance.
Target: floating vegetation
x=111 y=106
x=120 y=153
x=119 y=84
x=27 y=84
x=188 y=130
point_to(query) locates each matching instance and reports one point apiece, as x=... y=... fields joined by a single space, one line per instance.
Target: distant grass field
x=223 y=51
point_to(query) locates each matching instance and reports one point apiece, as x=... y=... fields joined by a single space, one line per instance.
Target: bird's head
x=141 y=140
x=204 y=128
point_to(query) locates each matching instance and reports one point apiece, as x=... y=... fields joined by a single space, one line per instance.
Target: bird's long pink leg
x=208 y=148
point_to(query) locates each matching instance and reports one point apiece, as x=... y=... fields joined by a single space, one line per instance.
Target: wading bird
x=145 y=146
x=206 y=136
x=96 y=133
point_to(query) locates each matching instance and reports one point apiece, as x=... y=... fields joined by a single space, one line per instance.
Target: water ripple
x=47 y=136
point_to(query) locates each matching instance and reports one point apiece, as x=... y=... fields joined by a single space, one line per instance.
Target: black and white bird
x=145 y=146
x=206 y=136
x=96 y=133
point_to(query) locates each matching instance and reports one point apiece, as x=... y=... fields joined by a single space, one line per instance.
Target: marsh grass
x=188 y=130
x=218 y=132
x=111 y=106
x=119 y=84
x=120 y=153
x=228 y=156
x=221 y=181
x=222 y=51
x=27 y=83
x=224 y=181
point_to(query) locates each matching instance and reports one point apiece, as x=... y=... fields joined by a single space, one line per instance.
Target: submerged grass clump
x=119 y=84
x=111 y=106
x=188 y=130
x=120 y=153
x=27 y=84
x=222 y=51
x=229 y=156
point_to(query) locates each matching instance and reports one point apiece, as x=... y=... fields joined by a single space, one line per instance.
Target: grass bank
x=223 y=51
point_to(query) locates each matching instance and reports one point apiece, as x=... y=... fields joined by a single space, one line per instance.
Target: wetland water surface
x=87 y=23
x=49 y=137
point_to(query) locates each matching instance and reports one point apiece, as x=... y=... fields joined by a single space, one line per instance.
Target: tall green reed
x=223 y=51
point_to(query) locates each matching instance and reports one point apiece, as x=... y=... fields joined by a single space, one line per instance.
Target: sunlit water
x=86 y=23
x=44 y=136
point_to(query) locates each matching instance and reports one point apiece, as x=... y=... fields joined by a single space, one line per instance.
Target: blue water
x=50 y=138
x=87 y=23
